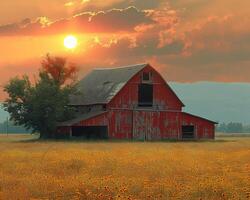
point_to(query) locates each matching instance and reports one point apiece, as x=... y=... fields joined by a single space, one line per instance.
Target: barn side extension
x=132 y=102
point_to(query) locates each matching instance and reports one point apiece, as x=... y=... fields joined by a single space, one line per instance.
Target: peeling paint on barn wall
x=163 y=97
x=126 y=121
x=145 y=124
x=200 y=125
x=164 y=120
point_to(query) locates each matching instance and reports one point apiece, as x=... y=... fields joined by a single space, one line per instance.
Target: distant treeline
x=233 y=127
x=11 y=128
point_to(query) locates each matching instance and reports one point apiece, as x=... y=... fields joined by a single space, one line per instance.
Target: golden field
x=122 y=170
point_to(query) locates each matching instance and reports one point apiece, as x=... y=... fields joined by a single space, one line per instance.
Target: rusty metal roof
x=101 y=85
x=81 y=117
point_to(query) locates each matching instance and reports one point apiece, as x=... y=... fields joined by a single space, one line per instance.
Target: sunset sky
x=186 y=40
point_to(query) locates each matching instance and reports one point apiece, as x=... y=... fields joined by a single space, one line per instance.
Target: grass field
x=123 y=170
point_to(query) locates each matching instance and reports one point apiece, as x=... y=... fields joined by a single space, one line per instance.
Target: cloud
x=114 y=20
x=186 y=41
x=216 y=48
x=69 y=4
x=212 y=48
x=217 y=39
x=109 y=4
x=146 y=41
x=25 y=27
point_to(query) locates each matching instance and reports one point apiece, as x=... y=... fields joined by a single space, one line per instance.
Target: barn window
x=145 y=76
x=145 y=95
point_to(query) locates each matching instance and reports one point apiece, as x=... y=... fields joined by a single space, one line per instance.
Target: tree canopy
x=39 y=106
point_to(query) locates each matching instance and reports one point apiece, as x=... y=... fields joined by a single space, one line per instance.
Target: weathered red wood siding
x=203 y=128
x=156 y=125
x=143 y=125
x=120 y=124
x=149 y=125
x=125 y=120
x=100 y=120
x=163 y=96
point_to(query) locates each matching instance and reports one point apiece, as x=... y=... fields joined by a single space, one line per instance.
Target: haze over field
x=3 y=115
x=221 y=102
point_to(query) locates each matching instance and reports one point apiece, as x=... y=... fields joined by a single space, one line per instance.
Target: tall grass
x=79 y=170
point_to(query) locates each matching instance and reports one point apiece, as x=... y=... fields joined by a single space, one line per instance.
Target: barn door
x=139 y=128
x=144 y=127
x=188 y=132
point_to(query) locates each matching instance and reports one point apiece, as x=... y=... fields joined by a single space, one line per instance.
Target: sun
x=70 y=42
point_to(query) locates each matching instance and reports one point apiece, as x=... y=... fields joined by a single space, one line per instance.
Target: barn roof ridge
x=121 y=67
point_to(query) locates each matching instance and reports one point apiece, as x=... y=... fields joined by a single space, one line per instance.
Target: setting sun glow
x=70 y=42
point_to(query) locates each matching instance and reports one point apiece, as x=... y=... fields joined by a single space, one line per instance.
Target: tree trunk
x=44 y=135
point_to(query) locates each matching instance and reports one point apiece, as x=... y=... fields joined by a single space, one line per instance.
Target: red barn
x=132 y=102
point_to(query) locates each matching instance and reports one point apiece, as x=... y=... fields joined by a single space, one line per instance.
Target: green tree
x=41 y=105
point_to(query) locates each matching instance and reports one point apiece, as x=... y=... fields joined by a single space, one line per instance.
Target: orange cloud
x=186 y=40
x=115 y=20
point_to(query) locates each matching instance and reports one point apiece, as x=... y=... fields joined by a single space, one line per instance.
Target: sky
x=186 y=40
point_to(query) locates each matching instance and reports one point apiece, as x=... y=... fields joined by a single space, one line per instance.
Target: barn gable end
x=163 y=98
x=133 y=102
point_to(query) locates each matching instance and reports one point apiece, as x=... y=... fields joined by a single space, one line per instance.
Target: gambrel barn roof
x=101 y=85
